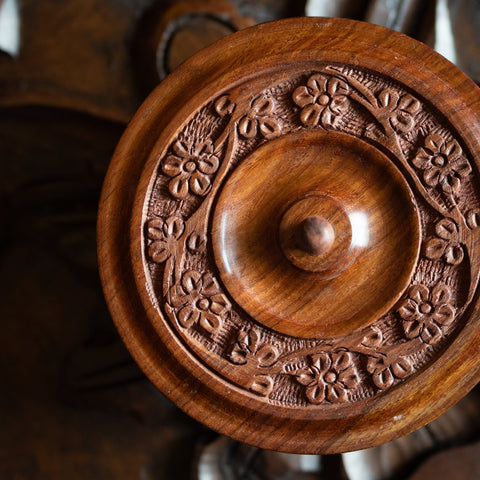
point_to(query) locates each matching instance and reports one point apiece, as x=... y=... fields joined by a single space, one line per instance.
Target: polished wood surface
x=248 y=102
x=372 y=214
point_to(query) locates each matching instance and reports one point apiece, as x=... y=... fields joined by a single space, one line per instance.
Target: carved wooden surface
x=259 y=344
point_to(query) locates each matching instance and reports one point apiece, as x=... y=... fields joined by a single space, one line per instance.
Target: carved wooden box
x=288 y=235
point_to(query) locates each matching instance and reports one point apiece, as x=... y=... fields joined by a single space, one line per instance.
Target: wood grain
x=247 y=102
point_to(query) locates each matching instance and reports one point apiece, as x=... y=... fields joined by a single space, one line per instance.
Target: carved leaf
x=239 y=355
x=249 y=338
x=409 y=104
x=269 y=127
x=196 y=242
x=348 y=378
x=262 y=385
x=388 y=99
x=247 y=127
x=383 y=379
x=224 y=106
x=454 y=254
x=262 y=106
x=441 y=294
x=192 y=281
x=446 y=229
x=402 y=368
x=173 y=226
x=155 y=229
x=473 y=219
x=402 y=122
x=158 y=251
x=373 y=338
x=267 y=356
x=435 y=248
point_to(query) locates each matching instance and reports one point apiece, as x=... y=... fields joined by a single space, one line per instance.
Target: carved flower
x=447 y=244
x=200 y=301
x=322 y=100
x=259 y=118
x=329 y=377
x=400 y=110
x=189 y=167
x=384 y=372
x=162 y=236
x=442 y=163
x=426 y=312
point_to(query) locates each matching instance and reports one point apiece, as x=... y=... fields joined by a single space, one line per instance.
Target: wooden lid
x=288 y=235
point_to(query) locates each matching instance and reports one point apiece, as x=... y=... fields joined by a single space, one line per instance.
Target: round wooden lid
x=288 y=235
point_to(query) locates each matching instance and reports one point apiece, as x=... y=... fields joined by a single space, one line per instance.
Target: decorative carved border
x=305 y=372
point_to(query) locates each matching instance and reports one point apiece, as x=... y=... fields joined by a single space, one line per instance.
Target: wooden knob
x=288 y=235
x=315 y=235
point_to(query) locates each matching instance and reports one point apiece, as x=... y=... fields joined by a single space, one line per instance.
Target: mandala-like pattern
x=310 y=372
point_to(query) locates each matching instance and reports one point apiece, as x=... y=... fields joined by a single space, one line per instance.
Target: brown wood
x=353 y=124
x=172 y=35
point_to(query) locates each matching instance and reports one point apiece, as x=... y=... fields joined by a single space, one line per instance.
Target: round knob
x=288 y=235
x=315 y=235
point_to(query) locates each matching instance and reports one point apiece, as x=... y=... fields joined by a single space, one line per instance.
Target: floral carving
x=162 y=236
x=189 y=167
x=199 y=301
x=223 y=106
x=399 y=109
x=200 y=158
x=322 y=100
x=443 y=163
x=329 y=377
x=385 y=372
x=259 y=118
x=247 y=347
x=426 y=312
x=446 y=244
